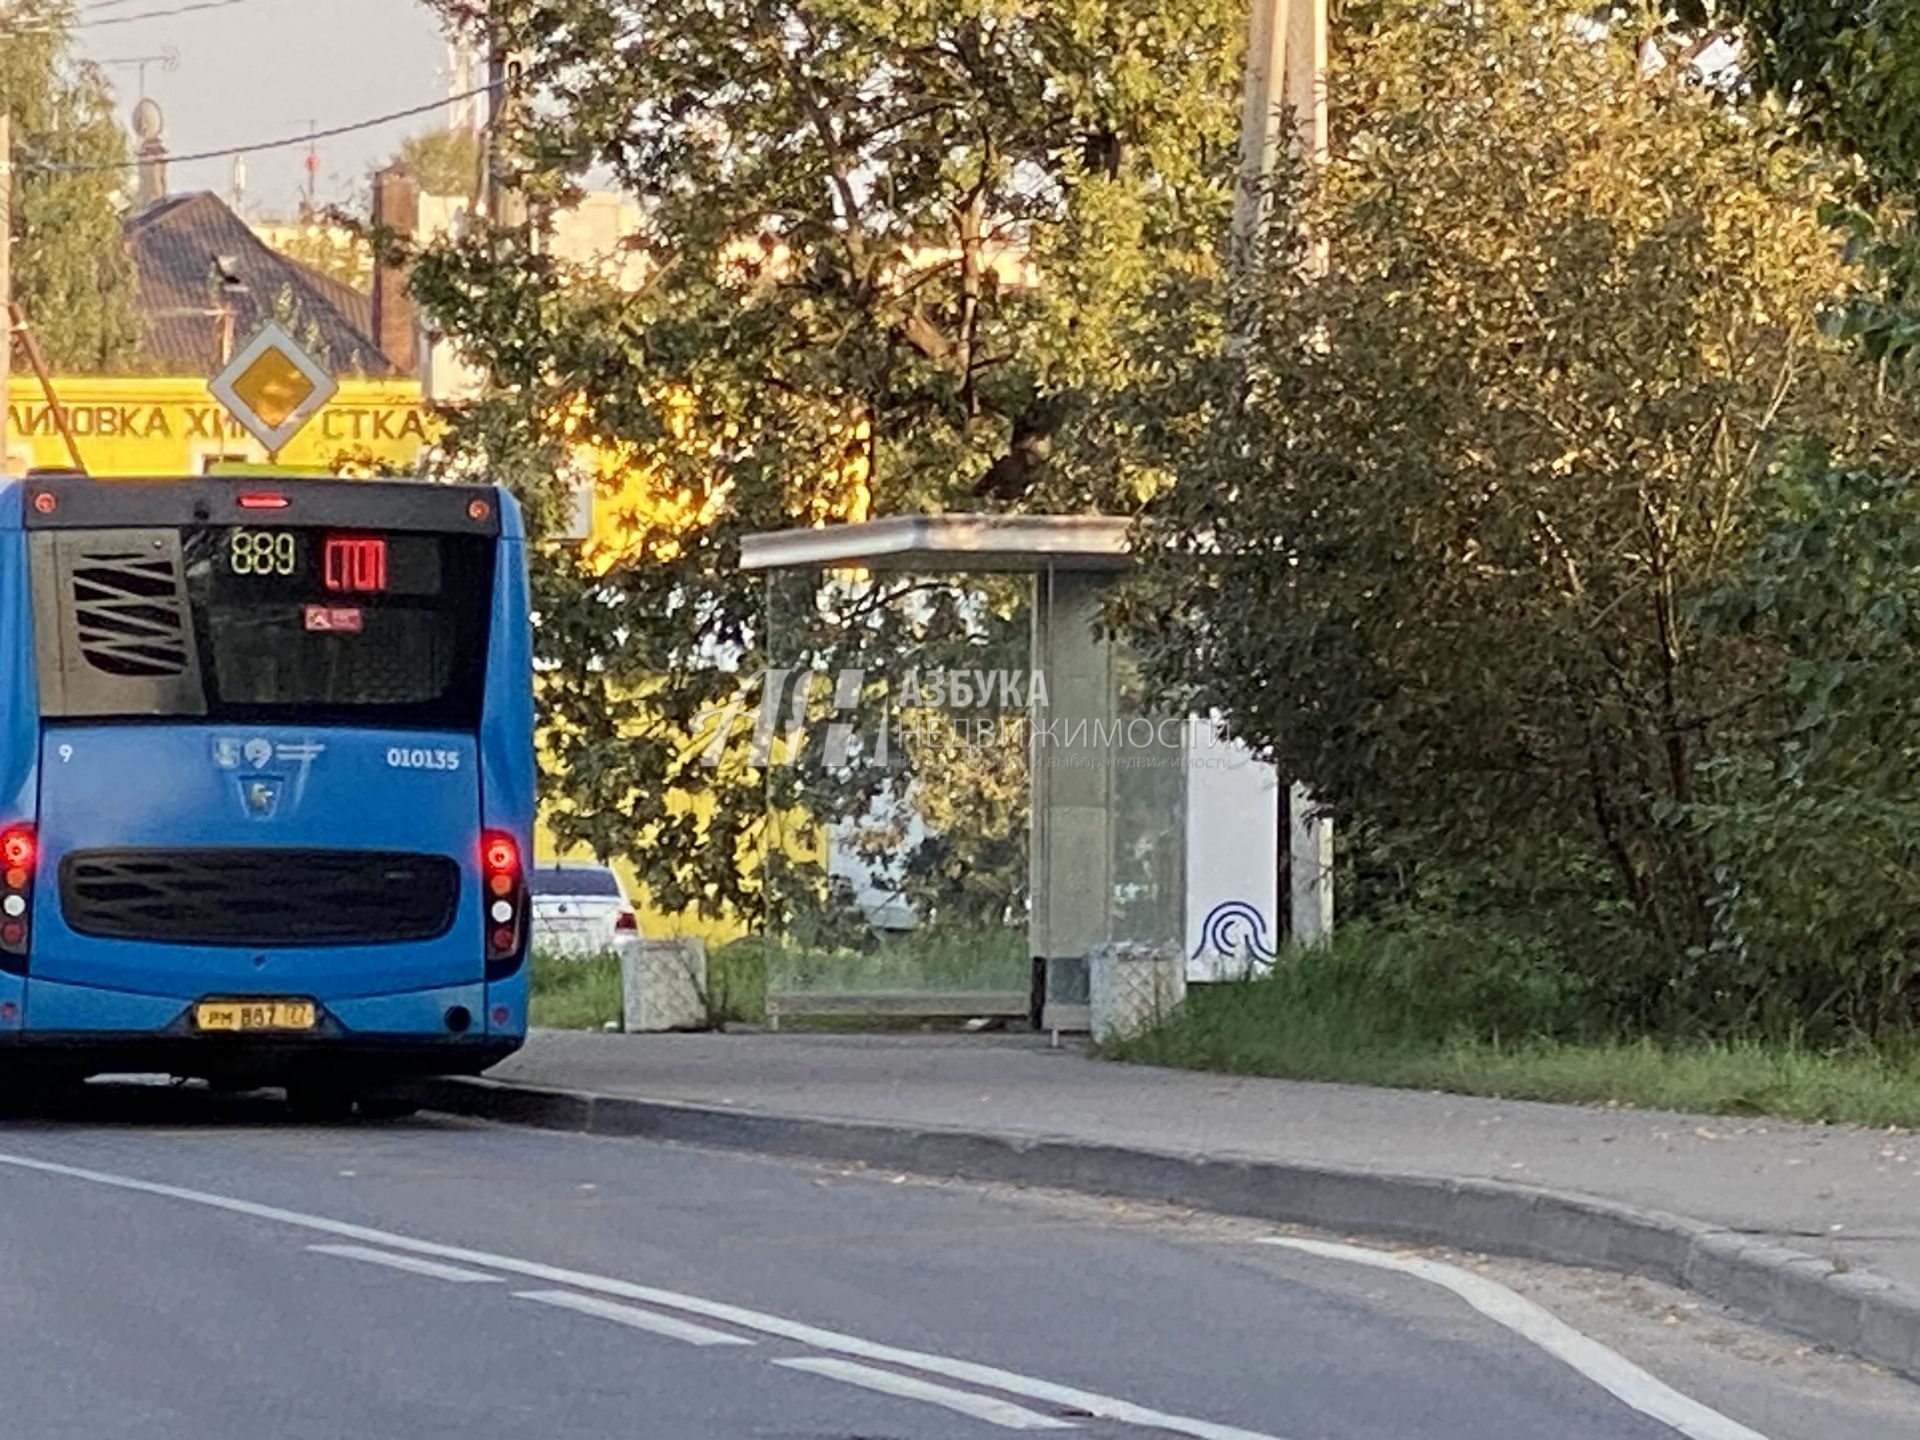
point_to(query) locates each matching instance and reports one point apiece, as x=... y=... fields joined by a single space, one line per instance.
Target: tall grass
x=932 y=958
x=574 y=992
x=1397 y=1009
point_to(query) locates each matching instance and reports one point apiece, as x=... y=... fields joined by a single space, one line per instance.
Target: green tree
x=911 y=253
x=336 y=249
x=1849 y=73
x=446 y=162
x=1813 y=808
x=1447 y=552
x=71 y=274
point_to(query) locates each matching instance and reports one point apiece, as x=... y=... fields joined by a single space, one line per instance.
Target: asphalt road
x=174 y=1264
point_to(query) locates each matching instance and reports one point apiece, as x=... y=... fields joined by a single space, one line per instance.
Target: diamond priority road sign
x=273 y=387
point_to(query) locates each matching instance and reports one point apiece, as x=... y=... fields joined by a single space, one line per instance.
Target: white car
x=581 y=910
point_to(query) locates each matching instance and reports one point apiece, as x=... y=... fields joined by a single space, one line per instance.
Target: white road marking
x=1067 y=1397
x=628 y=1315
x=1608 y=1369
x=1003 y=1413
x=410 y=1263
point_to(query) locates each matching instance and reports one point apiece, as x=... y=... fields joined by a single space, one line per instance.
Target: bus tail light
x=626 y=923
x=19 y=850
x=506 y=903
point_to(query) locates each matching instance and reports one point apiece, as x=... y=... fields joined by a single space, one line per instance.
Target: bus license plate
x=254 y=1015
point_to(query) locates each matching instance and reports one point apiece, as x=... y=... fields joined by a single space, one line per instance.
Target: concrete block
x=664 y=985
x=1132 y=988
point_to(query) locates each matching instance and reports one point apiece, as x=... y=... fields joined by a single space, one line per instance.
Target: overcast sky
x=261 y=69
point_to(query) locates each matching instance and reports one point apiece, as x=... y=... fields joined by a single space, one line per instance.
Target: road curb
x=1787 y=1289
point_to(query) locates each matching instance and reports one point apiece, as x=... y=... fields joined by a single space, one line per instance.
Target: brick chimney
x=396 y=207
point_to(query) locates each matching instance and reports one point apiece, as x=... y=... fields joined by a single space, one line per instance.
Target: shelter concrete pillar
x=1071 y=857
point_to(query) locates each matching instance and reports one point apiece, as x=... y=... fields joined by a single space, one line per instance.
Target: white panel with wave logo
x=1233 y=809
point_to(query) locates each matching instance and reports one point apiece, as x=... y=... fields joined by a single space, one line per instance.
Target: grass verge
x=582 y=992
x=1357 y=1014
x=934 y=958
x=574 y=992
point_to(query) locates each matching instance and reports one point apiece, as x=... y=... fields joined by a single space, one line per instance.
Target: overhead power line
x=24 y=20
x=164 y=14
x=46 y=24
x=93 y=5
x=304 y=138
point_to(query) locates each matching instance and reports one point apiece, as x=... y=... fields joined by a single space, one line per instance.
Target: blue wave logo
x=1236 y=928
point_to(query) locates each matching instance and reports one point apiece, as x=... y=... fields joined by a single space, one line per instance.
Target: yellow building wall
x=170 y=425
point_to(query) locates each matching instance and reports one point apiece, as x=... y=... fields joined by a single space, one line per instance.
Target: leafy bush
x=1812 y=815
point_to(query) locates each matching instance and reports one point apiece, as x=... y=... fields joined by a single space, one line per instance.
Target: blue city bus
x=266 y=781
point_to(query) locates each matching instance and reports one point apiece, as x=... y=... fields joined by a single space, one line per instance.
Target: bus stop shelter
x=1123 y=843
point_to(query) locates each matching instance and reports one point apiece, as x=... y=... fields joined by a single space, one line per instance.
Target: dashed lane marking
x=632 y=1316
x=413 y=1264
x=1003 y=1413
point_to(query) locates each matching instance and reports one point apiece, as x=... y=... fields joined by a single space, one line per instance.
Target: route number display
x=330 y=567
x=263 y=552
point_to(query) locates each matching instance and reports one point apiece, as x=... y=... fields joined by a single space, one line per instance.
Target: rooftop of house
x=196 y=259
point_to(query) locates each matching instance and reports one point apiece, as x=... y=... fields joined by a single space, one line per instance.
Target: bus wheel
x=318 y=1103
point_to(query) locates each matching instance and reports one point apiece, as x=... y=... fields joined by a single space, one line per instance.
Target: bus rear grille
x=259 y=897
x=130 y=611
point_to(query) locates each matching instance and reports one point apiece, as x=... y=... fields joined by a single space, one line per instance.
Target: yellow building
x=137 y=425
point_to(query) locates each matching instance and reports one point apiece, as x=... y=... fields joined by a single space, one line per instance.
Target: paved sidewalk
x=1838 y=1193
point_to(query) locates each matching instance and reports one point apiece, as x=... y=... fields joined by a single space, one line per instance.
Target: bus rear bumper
x=86 y=1030
x=362 y=1060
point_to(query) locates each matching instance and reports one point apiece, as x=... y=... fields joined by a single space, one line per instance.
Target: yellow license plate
x=255 y=1015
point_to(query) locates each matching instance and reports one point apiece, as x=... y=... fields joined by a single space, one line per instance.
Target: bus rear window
x=265 y=624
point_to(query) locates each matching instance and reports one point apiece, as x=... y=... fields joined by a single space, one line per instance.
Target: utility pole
x=1285 y=76
x=1259 y=118
x=490 y=138
x=504 y=210
x=1307 y=77
x=1286 y=79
